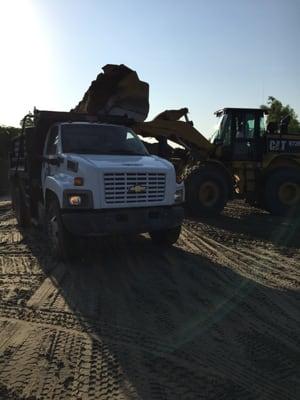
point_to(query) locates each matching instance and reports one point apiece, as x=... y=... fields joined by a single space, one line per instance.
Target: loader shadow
x=173 y=324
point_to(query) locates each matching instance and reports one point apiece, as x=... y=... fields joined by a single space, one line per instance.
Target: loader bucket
x=116 y=92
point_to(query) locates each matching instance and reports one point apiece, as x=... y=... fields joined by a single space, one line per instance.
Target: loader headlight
x=179 y=196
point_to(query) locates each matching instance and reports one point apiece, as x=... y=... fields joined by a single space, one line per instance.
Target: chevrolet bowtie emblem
x=137 y=189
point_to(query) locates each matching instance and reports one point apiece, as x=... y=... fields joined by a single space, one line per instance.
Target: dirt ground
x=215 y=317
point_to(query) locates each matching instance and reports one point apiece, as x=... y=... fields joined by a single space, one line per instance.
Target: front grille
x=119 y=187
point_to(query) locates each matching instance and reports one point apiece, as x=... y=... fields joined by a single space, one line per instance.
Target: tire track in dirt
x=275 y=387
x=134 y=321
x=263 y=270
x=254 y=269
x=275 y=271
x=256 y=326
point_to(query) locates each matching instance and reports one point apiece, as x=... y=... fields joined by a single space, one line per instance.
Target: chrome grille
x=119 y=187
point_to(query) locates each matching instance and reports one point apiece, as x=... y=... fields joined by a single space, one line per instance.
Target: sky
x=199 y=54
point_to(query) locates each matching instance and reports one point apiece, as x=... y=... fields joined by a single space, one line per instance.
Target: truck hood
x=121 y=161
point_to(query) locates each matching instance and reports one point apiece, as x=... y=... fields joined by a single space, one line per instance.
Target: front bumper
x=117 y=221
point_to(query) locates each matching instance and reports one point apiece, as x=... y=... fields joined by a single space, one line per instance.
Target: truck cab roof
x=87 y=123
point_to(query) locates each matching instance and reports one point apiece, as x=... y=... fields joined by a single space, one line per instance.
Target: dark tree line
x=6 y=134
x=277 y=111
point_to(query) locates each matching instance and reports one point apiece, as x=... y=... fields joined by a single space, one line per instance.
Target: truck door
x=50 y=153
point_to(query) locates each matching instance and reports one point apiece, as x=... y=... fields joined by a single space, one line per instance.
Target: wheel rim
x=208 y=193
x=289 y=193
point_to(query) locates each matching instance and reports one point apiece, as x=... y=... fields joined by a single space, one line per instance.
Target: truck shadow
x=171 y=324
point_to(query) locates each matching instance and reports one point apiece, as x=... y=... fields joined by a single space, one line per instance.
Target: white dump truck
x=78 y=175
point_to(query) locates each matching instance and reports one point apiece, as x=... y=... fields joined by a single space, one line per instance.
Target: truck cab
x=94 y=178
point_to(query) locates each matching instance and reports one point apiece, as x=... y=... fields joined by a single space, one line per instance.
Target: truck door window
x=51 y=148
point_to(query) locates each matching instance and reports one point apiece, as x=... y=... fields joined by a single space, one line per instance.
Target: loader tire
x=207 y=191
x=282 y=192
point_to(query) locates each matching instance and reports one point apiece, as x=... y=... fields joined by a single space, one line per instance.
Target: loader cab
x=240 y=134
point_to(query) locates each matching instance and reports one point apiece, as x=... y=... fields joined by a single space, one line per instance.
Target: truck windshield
x=101 y=139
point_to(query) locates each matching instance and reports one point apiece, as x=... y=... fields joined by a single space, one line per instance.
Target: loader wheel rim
x=209 y=193
x=289 y=193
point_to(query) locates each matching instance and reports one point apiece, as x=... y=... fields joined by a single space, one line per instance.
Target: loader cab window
x=216 y=136
x=51 y=148
x=246 y=139
x=223 y=136
x=244 y=126
x=223 y=132
x=226 y=130
x=262 y=126
x=249 y=126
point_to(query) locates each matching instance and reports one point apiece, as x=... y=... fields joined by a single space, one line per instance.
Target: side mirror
x=218 y=142
x=51 y=160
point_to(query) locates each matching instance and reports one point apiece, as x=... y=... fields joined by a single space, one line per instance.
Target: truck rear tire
x=282 y=192
x=59 y=238
x=207 y=191
x=166 y=237
x=22 y=212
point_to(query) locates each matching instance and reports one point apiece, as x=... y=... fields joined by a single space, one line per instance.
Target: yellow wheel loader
x=245 y=159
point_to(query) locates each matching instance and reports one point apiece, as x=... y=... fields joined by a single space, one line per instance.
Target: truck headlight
x=179 y=178
x=77 y=199
x=179 y=196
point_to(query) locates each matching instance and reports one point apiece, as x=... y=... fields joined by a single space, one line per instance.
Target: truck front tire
x=22 y=212
x=59 y=238
x=166 y=237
